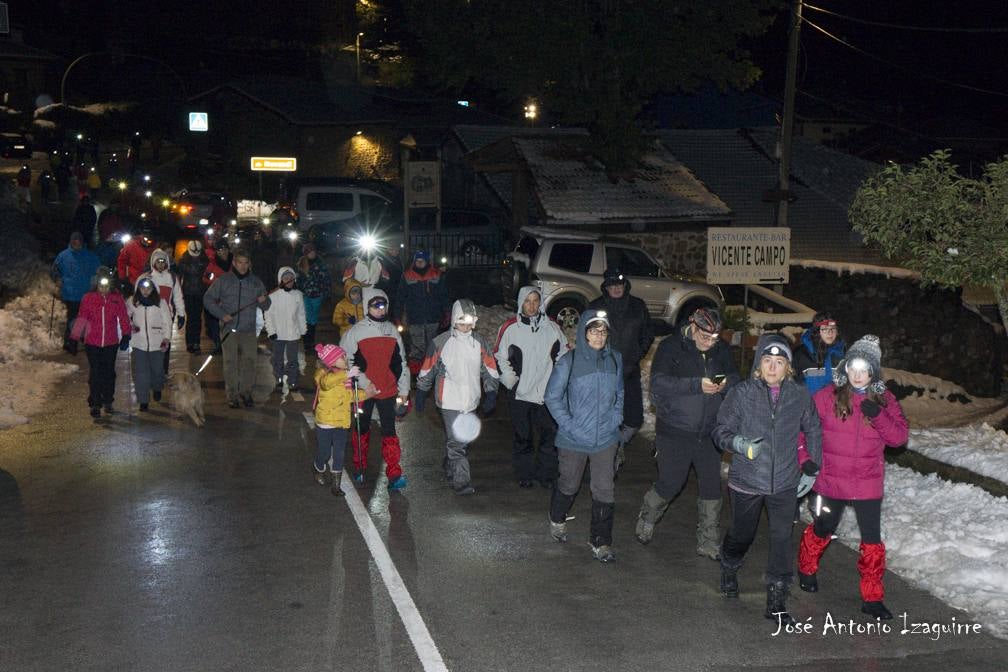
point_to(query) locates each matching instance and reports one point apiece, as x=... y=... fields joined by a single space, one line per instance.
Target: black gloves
x=419 y=399
x=810 y=468
x=489 y=404
x=124 y=342
x=272 y=337
x=180 y=321
x=870 y=408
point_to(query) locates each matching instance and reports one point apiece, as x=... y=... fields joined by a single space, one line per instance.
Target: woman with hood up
x=169 y=286
x=585 y=397
x=285 y=325
x=459 y=366
x=151 y=328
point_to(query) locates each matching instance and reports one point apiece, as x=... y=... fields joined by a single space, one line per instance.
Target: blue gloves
x=750 y=448
x=809 y=471
x=419 y=399
x=124 y=342
x=489 y=404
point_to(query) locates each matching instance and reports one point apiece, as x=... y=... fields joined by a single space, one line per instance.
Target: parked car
x=468 y=237
x=15 y=146
x=192 y=210
x=332 y=211
x=568 y=266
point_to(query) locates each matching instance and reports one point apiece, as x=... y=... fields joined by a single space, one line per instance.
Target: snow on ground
x=946 y=538
x=979 y=448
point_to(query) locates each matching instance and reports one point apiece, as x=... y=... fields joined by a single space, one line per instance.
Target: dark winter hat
x=777 y=346
x=102 y=277
x=221 y=244
x=422 y=254
x=613 y=276
x=77 y=236
x=865 y=351
x=706 y=319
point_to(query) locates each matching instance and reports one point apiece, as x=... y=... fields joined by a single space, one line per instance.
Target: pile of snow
x=946 y=538
x=981 y=448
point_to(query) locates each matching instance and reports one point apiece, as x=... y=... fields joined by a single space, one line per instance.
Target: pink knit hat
x=329 y=353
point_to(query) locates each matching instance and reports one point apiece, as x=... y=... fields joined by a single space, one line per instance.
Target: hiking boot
x=708 y=532
x=143 y=408
x=321 y=477
x=808 y=582
x=603 y=553
x=652 y=509
x=558 y=531
x=876 y=610
x=776 y=607
x=397 y=485
x=108 y=409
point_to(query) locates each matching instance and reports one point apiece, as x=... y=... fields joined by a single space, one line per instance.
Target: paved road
x=143 y=543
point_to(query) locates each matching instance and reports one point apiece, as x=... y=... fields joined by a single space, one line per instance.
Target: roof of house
x=19 y=51
x=739 y=165
x=572 y=187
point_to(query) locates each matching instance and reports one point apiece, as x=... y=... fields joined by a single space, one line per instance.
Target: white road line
x=423 y=643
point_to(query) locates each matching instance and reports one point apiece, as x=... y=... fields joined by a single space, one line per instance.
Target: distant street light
x=359 y=35
x=531 y=111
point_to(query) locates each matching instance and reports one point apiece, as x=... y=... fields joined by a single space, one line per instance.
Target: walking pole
x=52 y=310
x=357 y=414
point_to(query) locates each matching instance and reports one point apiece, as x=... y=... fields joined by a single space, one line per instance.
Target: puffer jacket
x=631 y=334
x=678 y=367
x=313 y=278
x=286 y=315
x=347 y=313
x=168 y=284
x=749 y=411
x=422 y=298
x=853 y=466
x=102 y=319
x=460 y=367
x=133 y=260
x=527 y=349
x=231 y=295
x=152 y=322
x=585 y=395
x=377 y=349
x=75 y=269
x=334 y=401
x=815 y=374
x=191 y=270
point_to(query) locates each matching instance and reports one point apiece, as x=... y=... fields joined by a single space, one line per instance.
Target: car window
x=575 y=257
x=329 y=200
x=632 y=262
x=373 y=207
x=528 y=246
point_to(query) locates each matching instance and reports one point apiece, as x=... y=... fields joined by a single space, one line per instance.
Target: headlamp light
x=104 y=282
x=367 y=242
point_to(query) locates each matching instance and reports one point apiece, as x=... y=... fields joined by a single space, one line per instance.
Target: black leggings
x=746 y=510
x=868 y=512
x=676 y=452
x=386 y=415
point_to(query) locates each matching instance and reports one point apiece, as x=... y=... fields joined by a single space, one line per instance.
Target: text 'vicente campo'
x=748 y=255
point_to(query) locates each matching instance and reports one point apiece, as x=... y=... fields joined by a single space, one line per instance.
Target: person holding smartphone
x=690 y=375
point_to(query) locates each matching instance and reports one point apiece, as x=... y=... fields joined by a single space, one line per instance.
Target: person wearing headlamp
x=459 y=367
x=151 y=328
x=103 y=324
x=374 y=346
x=366 y=268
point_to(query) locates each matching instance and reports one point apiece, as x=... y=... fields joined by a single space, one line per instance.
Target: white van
x=328 y=212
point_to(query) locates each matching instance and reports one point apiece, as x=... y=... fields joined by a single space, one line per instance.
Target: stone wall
x=922 y=329
x=680 y=251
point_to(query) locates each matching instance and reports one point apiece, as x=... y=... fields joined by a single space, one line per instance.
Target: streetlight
x=531 y=111
x=359 y=35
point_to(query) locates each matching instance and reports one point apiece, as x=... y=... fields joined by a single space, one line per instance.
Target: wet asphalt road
x=143 y=543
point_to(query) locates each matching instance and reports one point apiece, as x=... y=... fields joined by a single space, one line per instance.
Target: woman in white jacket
x=152 y=326
x=285 y=325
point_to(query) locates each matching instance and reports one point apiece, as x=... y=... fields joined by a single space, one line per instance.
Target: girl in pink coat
x=860 y=417
x=104 y=326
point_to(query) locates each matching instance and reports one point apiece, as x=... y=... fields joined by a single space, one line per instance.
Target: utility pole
x=787 y=124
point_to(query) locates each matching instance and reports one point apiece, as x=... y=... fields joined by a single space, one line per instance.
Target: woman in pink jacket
x=103 y=324
x=860 y=417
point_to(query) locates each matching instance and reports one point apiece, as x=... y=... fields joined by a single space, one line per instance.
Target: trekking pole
x=52 y=311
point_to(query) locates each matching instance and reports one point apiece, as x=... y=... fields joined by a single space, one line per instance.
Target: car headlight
x=203 y=221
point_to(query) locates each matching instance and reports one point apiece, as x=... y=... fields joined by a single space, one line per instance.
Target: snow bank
x=841 y=267
x=980 y=448
x=946 y=538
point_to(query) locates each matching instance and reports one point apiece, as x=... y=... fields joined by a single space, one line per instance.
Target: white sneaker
x=558 y=531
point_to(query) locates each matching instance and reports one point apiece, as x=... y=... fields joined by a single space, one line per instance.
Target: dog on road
x=186 y=396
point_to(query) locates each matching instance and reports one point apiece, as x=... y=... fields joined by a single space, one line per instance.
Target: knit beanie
x=329 y=353
x=775 y=345
x=867 y=349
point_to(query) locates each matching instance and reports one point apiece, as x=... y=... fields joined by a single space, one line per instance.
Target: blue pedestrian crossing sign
x=199 y=121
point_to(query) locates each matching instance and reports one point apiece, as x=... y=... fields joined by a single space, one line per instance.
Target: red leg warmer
x=360 y=445
x=871 y=566
x=390 y=453
x=810 y=550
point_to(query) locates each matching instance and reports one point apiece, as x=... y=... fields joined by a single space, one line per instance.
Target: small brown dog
x=186 y=396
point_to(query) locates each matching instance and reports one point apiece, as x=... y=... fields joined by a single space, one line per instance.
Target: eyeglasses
x=827 y=330
x=704 y=336
x=598 y=331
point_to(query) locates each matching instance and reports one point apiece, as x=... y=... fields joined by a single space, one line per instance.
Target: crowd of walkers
x=810 y=419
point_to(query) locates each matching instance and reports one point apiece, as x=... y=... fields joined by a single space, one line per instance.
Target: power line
x=902 y=67
x=883 y=24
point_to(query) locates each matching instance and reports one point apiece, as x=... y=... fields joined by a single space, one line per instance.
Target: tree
x=951 y=229
x=591 y=63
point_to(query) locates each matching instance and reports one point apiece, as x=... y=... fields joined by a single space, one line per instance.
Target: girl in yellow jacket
x=350 y=310
x=334 y=406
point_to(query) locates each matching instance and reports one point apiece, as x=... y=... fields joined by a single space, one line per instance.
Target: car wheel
x=566 y=312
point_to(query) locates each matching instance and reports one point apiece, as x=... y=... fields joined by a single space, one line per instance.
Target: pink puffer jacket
x=102 y=319
x=853 y=466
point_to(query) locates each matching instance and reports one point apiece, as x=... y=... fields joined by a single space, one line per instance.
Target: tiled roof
x=574 y=188
x=737 y=165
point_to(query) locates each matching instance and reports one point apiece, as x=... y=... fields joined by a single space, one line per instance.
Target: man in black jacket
x=631 y=335
x=690 y=375
x=192 y=266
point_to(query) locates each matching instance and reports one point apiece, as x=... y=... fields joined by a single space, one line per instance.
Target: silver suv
x=568 y=266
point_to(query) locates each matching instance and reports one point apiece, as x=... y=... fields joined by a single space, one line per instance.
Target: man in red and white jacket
x=104 y=325
x=375 y=347
x=169 y=287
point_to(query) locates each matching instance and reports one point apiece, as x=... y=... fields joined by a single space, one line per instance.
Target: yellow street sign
x=282 y=164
